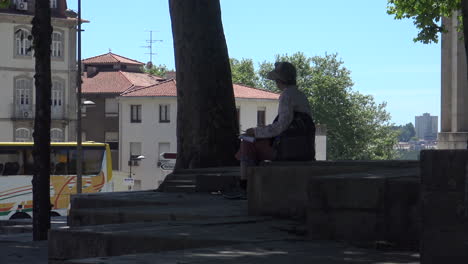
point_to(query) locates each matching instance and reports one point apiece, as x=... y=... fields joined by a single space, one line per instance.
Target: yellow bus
x=16 y=173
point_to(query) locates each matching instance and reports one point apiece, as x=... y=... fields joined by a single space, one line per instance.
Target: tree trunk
x=42 y=34
x=464 y=8
x=206 y=113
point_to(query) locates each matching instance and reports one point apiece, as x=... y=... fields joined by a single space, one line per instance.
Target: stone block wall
x=365 y=207
x=444 y=197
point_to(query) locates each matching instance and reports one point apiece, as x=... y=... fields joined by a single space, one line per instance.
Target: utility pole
x=150 y=46
x=79 y=147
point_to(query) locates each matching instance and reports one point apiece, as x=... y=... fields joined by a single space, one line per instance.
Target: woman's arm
x=285 y=116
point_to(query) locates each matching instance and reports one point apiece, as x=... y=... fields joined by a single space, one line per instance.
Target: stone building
x=105 y=77
x=17 y=91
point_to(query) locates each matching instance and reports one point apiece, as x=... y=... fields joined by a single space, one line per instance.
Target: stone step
x=100 y=216
x=180 y=182
x=136 y=198
x=17 y=226
x=94 y=209
x=180 y=188
x=299 y=252
x=15 y=229
x=172 y=176
x=208 y=170
x=203 y=181
x=124 y=239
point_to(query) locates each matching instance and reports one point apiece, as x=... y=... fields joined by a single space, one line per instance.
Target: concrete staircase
x=201 y=180
x=173 y=225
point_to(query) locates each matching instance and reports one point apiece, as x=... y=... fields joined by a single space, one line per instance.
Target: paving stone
x=299 y=252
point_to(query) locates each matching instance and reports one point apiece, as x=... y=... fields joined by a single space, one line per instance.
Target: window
x=164 y=113
x=23 y=98
x=261 y=116
x=12 y=162
x=53 y=3
x=135 y=113
x=135 y=149
x=56 y=103
x=163 y=147
x=56 y=135
x=56 y=49
x=22 y=135
x=112 y=138
x=23 y=91
x=111 y=107
x=23 y=42
x=57 y=94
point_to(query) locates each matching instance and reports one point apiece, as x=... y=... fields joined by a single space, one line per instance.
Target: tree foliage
x=243 y=72
x=357 y=127
x=426 y=15
x=406 y=132
x=159 y=70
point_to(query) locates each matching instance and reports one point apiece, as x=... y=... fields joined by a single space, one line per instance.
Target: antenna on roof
x=150 y=45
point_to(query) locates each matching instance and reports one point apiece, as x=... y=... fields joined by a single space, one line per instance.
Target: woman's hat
x=284 y=71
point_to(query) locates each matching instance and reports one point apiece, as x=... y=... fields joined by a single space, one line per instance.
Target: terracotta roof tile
x=169 y=88
x=110 y=58
x=142 y=79
x=242 y=91
x=116 y=81
x=165 y=88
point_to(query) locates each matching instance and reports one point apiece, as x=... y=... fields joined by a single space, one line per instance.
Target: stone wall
x=347 y=200
x=444 y=236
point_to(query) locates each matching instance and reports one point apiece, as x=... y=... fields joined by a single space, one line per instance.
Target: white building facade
x=148 y=118
x=17 y=69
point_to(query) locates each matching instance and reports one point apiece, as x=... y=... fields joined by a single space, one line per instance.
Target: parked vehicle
x=16 y=174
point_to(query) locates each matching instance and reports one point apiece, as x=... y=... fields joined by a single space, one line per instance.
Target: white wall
x=150 y=133
x=248 y=111
x=320 y=147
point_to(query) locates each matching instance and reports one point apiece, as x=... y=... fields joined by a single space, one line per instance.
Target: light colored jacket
x=291 y=100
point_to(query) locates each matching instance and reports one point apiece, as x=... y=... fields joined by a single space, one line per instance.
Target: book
x=247 y=138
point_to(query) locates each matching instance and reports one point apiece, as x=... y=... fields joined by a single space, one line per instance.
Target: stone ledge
x=280 y=189
x=363 y=208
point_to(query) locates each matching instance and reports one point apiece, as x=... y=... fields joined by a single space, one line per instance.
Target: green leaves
x=406 y=132
x=156 y=70
x=243 y=72
x=426 y=15
x=4 y=3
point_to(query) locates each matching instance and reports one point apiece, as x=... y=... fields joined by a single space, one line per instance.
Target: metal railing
x=27 y=112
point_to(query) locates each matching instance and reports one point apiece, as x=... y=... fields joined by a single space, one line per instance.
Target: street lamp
x=130 y=163
x=88 y=103
x=79 y=148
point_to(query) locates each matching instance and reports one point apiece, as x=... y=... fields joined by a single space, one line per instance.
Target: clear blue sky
x=378 y=50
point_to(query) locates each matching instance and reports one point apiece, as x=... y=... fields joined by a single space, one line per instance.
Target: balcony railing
x=28 y=112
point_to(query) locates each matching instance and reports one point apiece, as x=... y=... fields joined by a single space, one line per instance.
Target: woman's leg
x=251 y=153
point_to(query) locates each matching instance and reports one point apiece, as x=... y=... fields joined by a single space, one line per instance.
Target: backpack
x=297 y=142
